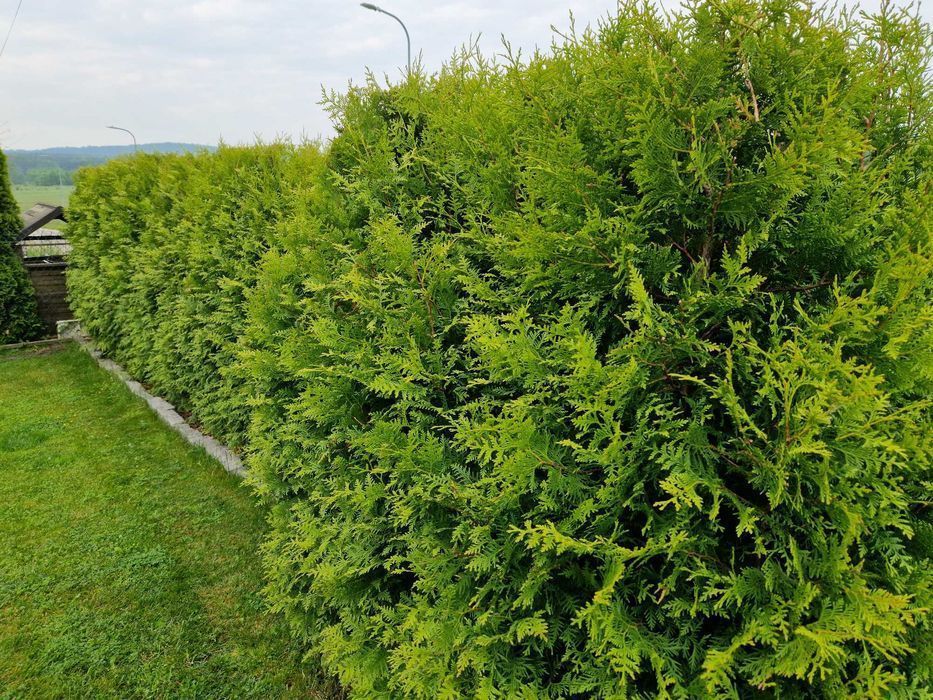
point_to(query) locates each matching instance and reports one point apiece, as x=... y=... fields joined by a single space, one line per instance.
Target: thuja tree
x=607 y=373
x=19 y=320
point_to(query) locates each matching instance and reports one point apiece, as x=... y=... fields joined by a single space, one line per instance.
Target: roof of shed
x=39 y=216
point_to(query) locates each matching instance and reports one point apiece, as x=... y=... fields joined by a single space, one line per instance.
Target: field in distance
x=29 y=195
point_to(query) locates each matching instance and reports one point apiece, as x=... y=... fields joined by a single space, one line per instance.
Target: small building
x=44 y=252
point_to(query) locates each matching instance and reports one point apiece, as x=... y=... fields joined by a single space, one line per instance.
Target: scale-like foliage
x=19 y=313
x=602 y=374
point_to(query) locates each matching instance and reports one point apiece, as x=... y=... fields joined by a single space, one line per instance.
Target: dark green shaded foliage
x=10 y=221
x=19 y=314
x=605 y=374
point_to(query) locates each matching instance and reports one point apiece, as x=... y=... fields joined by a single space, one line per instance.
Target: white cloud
x=196 y=70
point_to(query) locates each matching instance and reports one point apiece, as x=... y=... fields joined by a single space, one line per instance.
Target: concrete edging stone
x=70 y=330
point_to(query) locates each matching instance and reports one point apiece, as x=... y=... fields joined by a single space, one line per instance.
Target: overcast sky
x=201 y=70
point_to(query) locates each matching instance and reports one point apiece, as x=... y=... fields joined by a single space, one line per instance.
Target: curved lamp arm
x=376 y=8
x=120 y=128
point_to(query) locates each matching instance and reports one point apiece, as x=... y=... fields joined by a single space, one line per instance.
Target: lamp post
x=376 y=8
x=120 y=128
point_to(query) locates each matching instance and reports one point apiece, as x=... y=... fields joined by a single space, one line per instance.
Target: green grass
x=128 y=559
x=29 y=195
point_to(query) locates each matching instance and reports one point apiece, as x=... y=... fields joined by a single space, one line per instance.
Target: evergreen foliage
x=19 y=314
x=602 y=374
x=164 y=248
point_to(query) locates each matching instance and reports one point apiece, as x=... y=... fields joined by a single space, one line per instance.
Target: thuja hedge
x=19 y=313
x=164 y=249
x=604 y=373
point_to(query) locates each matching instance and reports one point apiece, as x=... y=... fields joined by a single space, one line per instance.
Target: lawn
x=128 y=562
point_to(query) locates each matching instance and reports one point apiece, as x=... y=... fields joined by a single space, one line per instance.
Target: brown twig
x=803 y=288
x=751 y=89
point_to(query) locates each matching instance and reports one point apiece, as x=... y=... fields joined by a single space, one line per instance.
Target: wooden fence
x=48 y=279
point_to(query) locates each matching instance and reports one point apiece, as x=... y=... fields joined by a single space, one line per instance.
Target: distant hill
x=53 y=166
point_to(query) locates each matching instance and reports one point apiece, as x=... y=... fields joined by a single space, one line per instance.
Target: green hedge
x=165 y=247
x=604 y=373
x=19 y=313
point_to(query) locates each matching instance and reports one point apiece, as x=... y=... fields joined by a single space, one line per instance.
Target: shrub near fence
x=19 y=315
x=601 y=375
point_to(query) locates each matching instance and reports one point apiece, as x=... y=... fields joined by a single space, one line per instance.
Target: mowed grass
x=128 y=559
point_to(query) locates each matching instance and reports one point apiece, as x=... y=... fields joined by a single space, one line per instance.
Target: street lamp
x=376 y=8
x=120 y=128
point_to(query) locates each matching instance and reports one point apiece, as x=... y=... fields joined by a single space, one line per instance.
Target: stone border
x=32 y=344
x=162 y=408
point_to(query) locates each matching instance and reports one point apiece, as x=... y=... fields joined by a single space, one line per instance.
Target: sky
x=199 y=71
